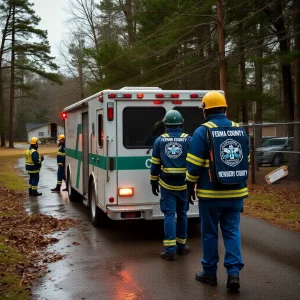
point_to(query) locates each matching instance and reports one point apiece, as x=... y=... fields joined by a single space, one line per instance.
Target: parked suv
x=273 y=151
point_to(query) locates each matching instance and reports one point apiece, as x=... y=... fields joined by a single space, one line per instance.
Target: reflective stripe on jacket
x=32 y=161
x=198 y=164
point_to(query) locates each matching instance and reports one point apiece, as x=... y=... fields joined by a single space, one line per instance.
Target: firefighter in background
x=216 y=204
x=61 y=163
x=33 y=163
x=168 y=170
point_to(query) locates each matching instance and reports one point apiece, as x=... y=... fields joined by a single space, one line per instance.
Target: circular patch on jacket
x=173 y=150
x=231 y=153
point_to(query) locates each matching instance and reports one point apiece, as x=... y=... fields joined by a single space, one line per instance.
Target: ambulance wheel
x=99 y=218
x=73 y=194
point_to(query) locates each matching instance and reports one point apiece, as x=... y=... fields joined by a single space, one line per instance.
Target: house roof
x=32 y=126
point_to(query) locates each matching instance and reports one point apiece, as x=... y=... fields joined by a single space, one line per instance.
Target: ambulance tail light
x=111 y=164
x=176 y=102
x=126 y=192
x=110 y=111
x=158 y=102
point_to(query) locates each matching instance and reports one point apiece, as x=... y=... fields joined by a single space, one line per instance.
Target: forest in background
x=170 y=44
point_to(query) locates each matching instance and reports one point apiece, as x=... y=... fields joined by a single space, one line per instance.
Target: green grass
x=10 y=284
x=282 y=212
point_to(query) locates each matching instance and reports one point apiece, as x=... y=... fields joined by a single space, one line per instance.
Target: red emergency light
x=110 y=111
x=64 y=115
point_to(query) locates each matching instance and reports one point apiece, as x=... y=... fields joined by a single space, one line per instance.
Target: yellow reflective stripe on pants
x=169 y=243
x=172 y=187
x=222 y=194
x=152 y=177
x=181 y=241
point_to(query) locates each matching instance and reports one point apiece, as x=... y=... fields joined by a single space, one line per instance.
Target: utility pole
x=12 y=82
x=221 y=41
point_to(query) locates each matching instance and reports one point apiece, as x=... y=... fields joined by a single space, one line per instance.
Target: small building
x=47 y=133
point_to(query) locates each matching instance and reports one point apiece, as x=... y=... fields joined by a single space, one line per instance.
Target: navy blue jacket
x=169 y=159
x=61 y=155
x=198 y=165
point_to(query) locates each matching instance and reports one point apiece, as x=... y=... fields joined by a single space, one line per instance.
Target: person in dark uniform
x=168 y=170
x=218 y=202
x=60 y=163
x=33 y=163
x=159 y=128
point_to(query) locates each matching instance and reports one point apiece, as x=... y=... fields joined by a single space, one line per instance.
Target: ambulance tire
x=73 y=194
x=99 y=218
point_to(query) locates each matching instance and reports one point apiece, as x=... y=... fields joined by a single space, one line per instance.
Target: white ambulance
x=107 y=156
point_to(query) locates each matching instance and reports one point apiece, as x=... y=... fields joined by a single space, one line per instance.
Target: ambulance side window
x=193 y=118
x=100 y=131
x=139 y=124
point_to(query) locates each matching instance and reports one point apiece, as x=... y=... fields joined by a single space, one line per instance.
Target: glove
x=42 y=157
x=191 y=195
x=155 y=189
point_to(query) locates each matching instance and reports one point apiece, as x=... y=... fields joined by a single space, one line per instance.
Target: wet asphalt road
x=122 y=262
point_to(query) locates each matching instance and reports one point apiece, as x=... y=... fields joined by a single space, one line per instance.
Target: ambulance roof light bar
x=141 y=88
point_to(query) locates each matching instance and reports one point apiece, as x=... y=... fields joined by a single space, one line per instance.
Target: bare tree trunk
x=259 y=86
x=12 y=84
x=294 y=158
x=221 y=40
x=2 y=110
x=243 y=85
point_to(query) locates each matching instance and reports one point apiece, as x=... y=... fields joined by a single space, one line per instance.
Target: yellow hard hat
x=61 y=137
x=34 y=140
x=213 y=99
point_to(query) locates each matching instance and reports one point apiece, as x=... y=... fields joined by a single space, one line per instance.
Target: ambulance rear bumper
x=146 y=212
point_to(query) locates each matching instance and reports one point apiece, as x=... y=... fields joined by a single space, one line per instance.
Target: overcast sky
x=53 y=16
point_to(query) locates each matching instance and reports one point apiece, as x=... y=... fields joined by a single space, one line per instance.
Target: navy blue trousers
x=60 y=175
x=171 y=203
x=227 y=214
x=33 y=180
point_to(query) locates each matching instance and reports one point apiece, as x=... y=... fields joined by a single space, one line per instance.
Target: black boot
x=36 y=193
x=183 y=251
x=233 y=282
x=56 y=189
x=210 y=280
x=30 y=191
x=167 y=256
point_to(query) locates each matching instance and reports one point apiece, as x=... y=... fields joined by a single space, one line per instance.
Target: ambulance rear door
x=135 y=123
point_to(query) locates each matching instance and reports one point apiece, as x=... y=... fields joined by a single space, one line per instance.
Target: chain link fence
x=274 y=145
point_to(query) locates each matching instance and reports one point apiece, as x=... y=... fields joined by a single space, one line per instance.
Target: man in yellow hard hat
x=33 y=162
x=61 y=163
x=218 y=164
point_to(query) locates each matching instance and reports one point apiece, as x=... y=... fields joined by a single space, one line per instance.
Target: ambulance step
x=86 y=200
